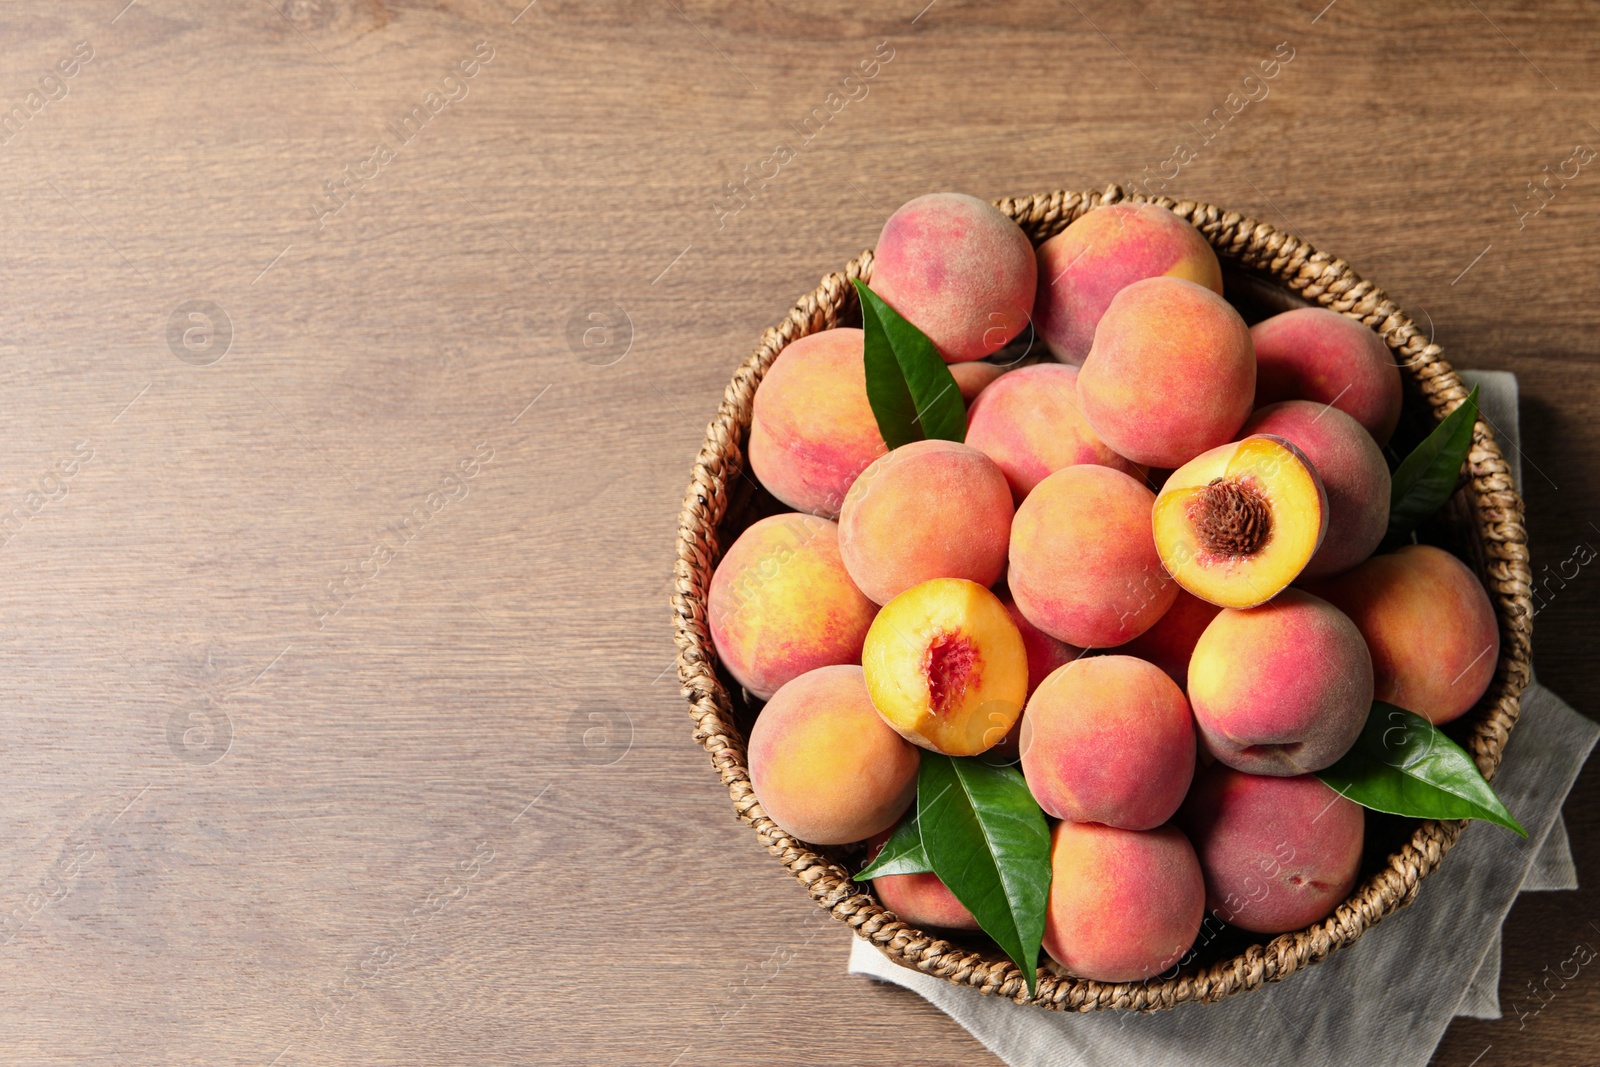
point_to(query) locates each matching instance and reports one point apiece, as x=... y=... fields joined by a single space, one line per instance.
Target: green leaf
x=1427 y=477
x=901 y=853
x=988 y=842
x=912 y=393
x=1405 y=765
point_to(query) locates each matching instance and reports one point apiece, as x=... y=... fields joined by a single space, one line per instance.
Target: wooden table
x=355 y=357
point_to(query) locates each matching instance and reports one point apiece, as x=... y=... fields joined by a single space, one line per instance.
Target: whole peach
x=1084 y=567
x=812 y=430
x=1171 y=373
x=1108 y=739
x=781 y=603
x=1124 y=904
x=1028 y=422
x=1320 y=355
x=957 y=269
x=1283 y=688
x=929 y=509
x=1085 y=265
x=1432 y=631
x=824 y=765
x=1278 y=853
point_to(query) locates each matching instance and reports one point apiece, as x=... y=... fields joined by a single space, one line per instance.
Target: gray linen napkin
x=1386 y=999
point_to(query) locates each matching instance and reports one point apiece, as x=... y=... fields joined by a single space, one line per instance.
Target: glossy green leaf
x=901 y=853
x=1405 y=765
x=1427 y=477
x=988 y=842
x=912 y=392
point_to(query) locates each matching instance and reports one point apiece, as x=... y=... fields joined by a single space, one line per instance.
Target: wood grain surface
x=354 y=357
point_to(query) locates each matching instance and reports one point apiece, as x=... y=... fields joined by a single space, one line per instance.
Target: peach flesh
x=1353 y=473
x=946 y=667
x=1238 y=523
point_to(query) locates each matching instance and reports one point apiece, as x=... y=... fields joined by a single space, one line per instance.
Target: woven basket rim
x=1489 y=495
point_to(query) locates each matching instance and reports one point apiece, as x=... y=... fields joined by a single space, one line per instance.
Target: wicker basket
x=1484 y=523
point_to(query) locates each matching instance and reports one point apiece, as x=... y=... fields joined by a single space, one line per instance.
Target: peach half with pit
x=946 y=667
x=1238 y=523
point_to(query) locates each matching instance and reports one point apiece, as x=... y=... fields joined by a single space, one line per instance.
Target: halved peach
x=946 y=667
x=1238 y=523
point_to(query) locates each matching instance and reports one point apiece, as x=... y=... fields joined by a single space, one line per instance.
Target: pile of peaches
x=1147 y=575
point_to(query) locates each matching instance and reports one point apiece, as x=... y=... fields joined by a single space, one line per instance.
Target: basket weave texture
x=1487 y=513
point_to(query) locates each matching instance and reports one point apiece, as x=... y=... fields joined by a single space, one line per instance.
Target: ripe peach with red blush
x=1102 y=252
x=1108 y=739
x=1278 y=853
x=1171 y=374
x=1432 y=631
x=1029 y=423
x=1170 y=642
x=1283 y=688
x=1322 y=356
x=921 y=899
x=1124 y=905
x=1084 y=567
x=959 y=270
x=823 y=764
x=781 y=603
x=929 y=509
x=812 y=430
